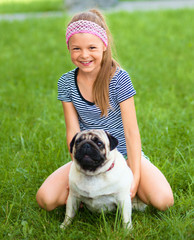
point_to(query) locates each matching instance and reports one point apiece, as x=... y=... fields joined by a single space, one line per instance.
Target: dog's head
x=91 y=149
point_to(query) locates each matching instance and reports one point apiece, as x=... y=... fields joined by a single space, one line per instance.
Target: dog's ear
x=72 y=143
x=113 y=141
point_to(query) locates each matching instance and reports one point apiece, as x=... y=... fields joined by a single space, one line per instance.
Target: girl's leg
x=154 y=188
x=55 y=189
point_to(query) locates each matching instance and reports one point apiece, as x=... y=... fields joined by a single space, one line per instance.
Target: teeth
x=86 y=62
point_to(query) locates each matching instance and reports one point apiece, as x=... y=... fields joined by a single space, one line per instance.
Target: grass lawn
x=156 y=48
x=13 y=6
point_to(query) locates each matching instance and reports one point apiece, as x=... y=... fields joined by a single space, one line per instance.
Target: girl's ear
x=72 y=143
x=113 y=141
x=104 y=48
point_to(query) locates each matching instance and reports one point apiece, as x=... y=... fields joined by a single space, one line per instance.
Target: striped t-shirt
x=89 y=114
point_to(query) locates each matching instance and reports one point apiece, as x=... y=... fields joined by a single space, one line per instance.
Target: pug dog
x=99 y=176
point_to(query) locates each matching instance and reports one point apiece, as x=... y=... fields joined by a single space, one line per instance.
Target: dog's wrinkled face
x=90 y=148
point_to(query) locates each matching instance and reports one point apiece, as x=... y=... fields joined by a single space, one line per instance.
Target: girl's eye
x=92 y=48
x=75 y=49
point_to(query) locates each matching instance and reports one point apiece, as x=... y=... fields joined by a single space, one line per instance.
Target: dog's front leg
x=125 y=208
x=71 y=208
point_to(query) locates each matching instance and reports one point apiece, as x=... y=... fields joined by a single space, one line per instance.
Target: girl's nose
x=84 y=53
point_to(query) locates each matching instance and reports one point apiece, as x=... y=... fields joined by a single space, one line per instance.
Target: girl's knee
x=54 y=191
x=44 y=200
x=155 y=189
x=164 y=201
x=49 y=200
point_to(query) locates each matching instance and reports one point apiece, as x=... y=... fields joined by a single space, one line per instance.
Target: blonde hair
x=108 y=65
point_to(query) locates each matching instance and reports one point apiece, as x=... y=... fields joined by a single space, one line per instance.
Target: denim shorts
x=142 y=154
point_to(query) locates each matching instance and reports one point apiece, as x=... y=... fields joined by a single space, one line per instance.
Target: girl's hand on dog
x=134 y=188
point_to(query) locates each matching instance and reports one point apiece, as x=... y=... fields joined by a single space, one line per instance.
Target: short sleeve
x=125 y=87
x=64 y=93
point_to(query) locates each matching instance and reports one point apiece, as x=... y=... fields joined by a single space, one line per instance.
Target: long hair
x=109 y=66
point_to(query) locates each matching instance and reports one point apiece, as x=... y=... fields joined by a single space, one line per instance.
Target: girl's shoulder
x=121 y=86
x=66 y=86
x=120 y=76
x=121 y=72
x=68 y=76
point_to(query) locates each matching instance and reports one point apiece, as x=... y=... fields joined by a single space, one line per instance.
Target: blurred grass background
x=13 y=6
x=156 y=48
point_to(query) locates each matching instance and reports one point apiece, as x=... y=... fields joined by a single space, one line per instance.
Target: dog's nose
x=86 y=147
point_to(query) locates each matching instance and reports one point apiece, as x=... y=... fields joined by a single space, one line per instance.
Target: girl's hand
x=67 y=191
x=134 y=188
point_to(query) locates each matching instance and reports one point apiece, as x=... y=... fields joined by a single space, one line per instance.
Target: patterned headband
x=84 y=26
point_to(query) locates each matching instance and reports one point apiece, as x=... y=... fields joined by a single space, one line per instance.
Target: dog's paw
x=63 y=226
x=137 y=204
x=66 y=222
x=128 y=226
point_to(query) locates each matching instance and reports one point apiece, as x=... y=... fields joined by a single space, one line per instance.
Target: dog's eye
x=99 y=143
x=78 y=141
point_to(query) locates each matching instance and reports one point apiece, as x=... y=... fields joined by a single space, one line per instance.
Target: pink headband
x=84 y=26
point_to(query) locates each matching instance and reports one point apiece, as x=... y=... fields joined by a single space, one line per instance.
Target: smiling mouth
x=85 y=63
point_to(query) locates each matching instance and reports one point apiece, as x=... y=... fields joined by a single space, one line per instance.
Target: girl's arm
x=133 y=141
x=71 y=121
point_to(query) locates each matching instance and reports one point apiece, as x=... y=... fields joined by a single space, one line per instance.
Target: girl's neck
x=87 y=77
x=85 y=83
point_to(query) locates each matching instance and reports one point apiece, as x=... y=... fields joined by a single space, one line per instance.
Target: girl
x=99 y=94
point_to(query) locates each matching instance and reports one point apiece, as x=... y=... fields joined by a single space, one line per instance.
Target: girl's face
x=86 y=52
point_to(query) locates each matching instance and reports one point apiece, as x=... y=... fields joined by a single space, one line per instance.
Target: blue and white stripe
x=120 y=89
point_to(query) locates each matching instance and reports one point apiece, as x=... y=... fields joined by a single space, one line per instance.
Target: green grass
x=18 y=6
x=13 y=6
x=136 y=0
x=156 y=48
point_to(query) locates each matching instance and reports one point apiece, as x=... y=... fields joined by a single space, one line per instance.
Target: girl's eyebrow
x=89 y=45
x=74 y=45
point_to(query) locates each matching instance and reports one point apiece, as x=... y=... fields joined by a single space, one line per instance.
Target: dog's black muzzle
x=89 y=156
